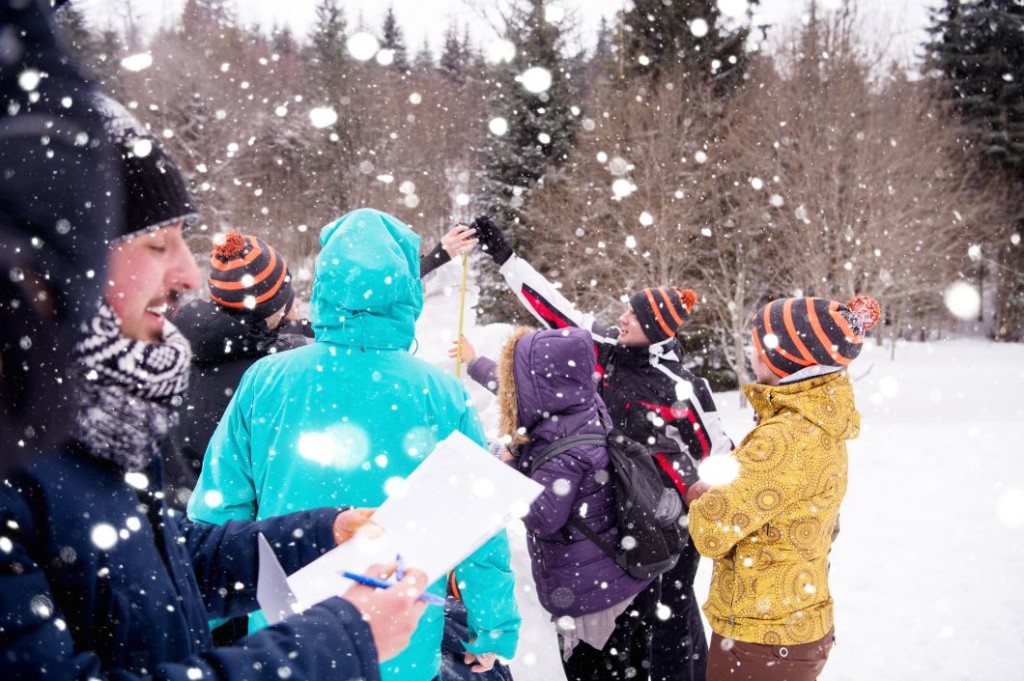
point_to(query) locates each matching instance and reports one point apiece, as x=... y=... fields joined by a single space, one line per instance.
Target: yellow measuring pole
x=462 y=316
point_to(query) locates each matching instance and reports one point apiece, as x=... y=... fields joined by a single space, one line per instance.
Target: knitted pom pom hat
x=792 y=334
x=661 y=311
x=248 y=276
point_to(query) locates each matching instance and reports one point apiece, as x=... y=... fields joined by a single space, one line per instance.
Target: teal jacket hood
x=366 y=290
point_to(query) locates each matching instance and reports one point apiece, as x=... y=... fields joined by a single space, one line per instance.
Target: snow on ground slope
x=926 y=572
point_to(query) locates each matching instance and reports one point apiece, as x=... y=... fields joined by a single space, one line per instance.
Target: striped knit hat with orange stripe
x=248 y=276
x=792 y=334
x=661 y=311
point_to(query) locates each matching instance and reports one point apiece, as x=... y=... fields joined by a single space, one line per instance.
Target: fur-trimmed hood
x=545 y=376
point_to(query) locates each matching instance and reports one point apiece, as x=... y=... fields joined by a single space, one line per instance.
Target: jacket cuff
x=325 y=526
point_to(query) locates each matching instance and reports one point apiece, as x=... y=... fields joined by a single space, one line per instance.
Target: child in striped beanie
x=771 y=611
x=249 y=277
x=797 y=338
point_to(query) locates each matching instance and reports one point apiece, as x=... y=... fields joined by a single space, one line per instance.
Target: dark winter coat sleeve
x=224 y=557
x=431 y=261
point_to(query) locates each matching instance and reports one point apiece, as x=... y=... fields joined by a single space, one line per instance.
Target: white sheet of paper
x=457 y=499
x=275 y=598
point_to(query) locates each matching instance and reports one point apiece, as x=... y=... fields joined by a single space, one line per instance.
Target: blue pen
x=429 y=598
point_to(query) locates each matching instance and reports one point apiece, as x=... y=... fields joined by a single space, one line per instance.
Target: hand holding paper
x=353 y=520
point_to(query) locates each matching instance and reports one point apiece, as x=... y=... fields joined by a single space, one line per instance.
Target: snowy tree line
x=670 y=153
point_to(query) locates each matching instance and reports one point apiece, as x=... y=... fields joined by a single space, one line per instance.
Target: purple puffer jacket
x=557 y=398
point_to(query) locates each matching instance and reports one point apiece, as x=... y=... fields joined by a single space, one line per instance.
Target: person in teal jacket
x=333 y=422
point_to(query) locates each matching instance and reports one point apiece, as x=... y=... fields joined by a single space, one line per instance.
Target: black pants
x=631 y=641
x=680 y=649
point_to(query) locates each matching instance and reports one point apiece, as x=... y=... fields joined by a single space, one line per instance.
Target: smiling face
x=630 y=331
x=146 y=276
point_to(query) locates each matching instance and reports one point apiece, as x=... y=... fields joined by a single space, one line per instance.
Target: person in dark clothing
x=653 y=399
x=98 y=577
x=547 y=393
x=250 y=314
x=59 y=202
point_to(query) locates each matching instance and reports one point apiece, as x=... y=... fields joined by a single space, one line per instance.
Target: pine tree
x=602 y=63
x=283 y=41
x=541 y=126
x=392 y=40
x=205 y=17
x=978 y=48
x=327 y=58
x=424 y=59
x=453 y=63
x=660 y=36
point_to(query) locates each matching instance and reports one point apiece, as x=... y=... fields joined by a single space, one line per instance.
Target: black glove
x=491 y=239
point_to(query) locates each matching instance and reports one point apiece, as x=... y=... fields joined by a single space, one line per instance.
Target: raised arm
x=536 y=293
x=460 y=239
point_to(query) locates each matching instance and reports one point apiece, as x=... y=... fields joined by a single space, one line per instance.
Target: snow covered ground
x=927 y=570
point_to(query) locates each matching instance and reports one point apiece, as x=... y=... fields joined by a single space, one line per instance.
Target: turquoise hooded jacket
x=331 y=423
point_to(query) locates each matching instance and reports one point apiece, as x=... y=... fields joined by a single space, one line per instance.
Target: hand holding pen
x=392 y=614
x=400 y=575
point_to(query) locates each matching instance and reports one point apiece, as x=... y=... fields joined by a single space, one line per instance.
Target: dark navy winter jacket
x=98 y=579
x=557 y=398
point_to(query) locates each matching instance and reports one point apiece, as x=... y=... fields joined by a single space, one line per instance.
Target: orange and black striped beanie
x=792 y=334
x=661 y=311
x=248 y=276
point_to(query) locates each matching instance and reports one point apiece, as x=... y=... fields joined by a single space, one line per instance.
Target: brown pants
x=741 y=661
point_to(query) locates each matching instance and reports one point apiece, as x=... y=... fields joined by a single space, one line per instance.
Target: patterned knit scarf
x=128 y=391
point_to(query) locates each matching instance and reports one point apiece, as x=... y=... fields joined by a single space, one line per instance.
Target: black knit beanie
x=792 y=334
x=155 y=194
x=249 y=277
x=661 y=311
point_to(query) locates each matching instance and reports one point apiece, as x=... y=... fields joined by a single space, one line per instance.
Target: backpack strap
x=607 y=549
x=554 y=450
x=568 y=443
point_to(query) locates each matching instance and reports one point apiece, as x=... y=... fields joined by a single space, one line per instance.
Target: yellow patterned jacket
x=770 y=530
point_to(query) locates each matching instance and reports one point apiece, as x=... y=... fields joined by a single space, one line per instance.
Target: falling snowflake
x=137 y=62
x=962 y=300
x=362 y=46
x=622 y=188
x=498 y=126
x=323 y=116
x=535 y=79
x=719 y=470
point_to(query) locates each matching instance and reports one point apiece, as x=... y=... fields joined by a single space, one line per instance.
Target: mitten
x=491 y=239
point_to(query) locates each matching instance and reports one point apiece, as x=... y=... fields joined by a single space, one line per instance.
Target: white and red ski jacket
x=651 y=396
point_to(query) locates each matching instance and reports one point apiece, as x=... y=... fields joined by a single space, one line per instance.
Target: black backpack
x=650 y=540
